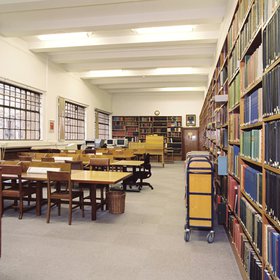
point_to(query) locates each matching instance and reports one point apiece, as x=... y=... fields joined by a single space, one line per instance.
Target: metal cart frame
x=199 y=195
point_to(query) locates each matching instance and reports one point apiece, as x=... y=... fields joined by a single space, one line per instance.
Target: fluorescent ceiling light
x=65 y=36
x=173 y=71
x=107 y=73
x=182 y=89
x=164 y=29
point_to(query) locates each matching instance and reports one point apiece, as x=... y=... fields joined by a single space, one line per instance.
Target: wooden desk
x=158 y=153
x=87 y=177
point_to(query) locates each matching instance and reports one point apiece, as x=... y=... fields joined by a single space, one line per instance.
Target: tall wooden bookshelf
x=136 y=128
x=251 y=55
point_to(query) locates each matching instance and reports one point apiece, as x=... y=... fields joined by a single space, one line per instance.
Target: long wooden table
x=91 y=178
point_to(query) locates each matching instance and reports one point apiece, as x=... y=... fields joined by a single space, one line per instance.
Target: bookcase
x=251 y=191
x=136 y=128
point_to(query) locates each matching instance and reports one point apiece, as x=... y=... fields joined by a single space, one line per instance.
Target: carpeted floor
x=144 y=243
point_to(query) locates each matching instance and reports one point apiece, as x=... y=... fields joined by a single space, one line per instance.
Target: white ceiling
x=142 y=61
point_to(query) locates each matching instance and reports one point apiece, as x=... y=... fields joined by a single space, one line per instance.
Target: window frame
x=20 y=113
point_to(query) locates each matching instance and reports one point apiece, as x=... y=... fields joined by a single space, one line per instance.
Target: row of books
x=251 y=25
x=221 y=116
x=272 y=238
x=251 y=144
x=233 y=193
x=252 y=69
x=252 y=182
x=251 y=263
x=234 y=162
x=269 y=7
x=237 y=21
x=234 y=60
x=272 y=143
x=252 y=221
x=222 y=77
x=224 y=138
x=272 y=198
x=234 y=92
x=271 y=39
x=271 y=92
x=253 y=107
x=234 y=123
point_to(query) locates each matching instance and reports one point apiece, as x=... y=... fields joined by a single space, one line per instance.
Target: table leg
x=92 y=191
x=39 y=196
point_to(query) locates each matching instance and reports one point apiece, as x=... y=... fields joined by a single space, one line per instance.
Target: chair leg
x=20 y=208
x=49 y=211
x=106 y=198
x=59 y=207
x=70 y=212
x=102 y=198
x=82 y=205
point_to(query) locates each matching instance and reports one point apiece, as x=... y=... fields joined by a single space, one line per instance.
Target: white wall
x=173 y=104
x=20 y=65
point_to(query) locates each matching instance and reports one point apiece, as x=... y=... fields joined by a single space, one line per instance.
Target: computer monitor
x=122 y=142
x=90 y=143
x=110 y=142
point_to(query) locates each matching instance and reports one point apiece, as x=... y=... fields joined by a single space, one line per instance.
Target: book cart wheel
x=187 y=235
x=210 y=236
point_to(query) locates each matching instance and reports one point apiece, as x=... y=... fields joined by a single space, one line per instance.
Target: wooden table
x=92 y=178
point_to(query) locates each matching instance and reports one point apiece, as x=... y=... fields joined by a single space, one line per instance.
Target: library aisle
x=144 y=243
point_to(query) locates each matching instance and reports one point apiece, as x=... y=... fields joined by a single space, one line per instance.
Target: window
x=19 y=113
x=101 y=125
x=74 y=121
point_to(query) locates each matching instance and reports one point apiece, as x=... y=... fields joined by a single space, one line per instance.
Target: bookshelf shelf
x=255 y=39
x=255 y=205
x=236 y=106
x=272 y=221
x=272 y=65
x=231 y=79
x=252 y=87
x=271 y=118
x=234 y=142
x=250 y=126
x=234 y=177
x=251 y=161
x=272 y=169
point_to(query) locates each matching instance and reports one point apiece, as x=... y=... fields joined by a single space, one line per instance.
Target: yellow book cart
x=199 y=195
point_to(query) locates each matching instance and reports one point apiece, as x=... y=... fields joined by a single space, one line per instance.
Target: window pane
x=19 y=113
x=74 y=121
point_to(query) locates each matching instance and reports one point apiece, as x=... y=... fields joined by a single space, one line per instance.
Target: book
x=272 y=144
x=251 y=144
x=234 y=92
x=271 y=39
x=271 y=92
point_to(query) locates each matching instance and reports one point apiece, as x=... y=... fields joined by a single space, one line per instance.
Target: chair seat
x=65 y=194
x=14 y=192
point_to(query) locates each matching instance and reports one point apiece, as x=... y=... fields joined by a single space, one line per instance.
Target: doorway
x=190 y=140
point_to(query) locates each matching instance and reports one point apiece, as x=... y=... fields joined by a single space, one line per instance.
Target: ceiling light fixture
x=182 y=89
x=65 y=36
x=164 y=29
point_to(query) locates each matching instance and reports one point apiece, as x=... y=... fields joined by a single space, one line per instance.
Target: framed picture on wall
x=190 y=120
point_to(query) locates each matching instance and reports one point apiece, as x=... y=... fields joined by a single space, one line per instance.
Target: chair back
x=15 y=171
x=25 y=158
x=60 y=179
x=101 y=164
x=75 y=164
x=47 y=159
x=147 y=164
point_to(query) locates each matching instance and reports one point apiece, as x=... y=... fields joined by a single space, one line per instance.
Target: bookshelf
x=136 y=128
x=252 y=194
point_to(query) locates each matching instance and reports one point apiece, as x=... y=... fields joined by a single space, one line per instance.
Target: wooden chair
x=62 y=192
x=75 y=164
x=47 y=159
x=17 y=190
x=101 y=164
